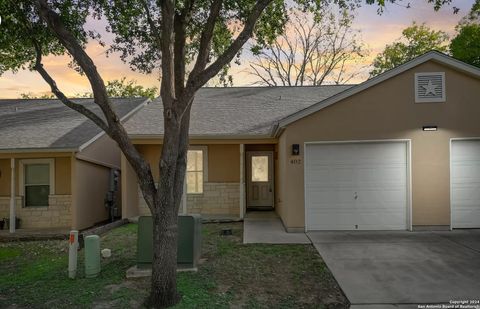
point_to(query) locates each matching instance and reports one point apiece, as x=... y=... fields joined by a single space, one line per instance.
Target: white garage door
x=465 y=180
x=356 y=186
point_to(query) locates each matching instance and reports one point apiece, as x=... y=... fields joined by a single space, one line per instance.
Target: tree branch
x=60 y=95
x=180 y=22
x=167 y=91
x=115 y=129
x=206 y=39
x=199 y=80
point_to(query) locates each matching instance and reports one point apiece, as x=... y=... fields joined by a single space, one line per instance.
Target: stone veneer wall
x=217 y=199
x=57 y=214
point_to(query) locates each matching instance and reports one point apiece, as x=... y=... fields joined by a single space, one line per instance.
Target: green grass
x=34 y=274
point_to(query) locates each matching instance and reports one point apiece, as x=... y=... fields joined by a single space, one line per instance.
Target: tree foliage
x=465 y=46
x=415 y=41
x=312 y=50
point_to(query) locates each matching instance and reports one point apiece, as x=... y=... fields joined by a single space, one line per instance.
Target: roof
x=48 y=125
x=429 y=56
x=234 y=112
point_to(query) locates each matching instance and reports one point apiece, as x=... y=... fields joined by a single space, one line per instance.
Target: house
x=400 y=151
x=60 y=162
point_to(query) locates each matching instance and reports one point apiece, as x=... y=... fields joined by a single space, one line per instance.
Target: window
x=259 y=168
x=36 y=181
x=196 y=169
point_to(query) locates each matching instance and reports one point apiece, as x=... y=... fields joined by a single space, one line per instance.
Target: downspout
x=12 y=196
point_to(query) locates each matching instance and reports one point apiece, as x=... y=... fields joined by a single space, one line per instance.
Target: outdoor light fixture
x=295 y=149
x=430 y=128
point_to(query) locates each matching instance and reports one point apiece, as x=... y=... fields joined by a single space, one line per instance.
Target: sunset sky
x=376 y=30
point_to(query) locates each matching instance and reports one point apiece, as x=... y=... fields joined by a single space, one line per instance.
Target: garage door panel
x=382 y=199
x=379 y=175
x=327 y=175
x=465 y=184
x=358 y=186
x=331 y=197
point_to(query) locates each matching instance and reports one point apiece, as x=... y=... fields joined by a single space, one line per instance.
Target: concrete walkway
x=402 y=269
x=266 y=228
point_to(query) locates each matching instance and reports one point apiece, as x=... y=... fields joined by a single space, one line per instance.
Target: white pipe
x=72 y=254
x=12 y=196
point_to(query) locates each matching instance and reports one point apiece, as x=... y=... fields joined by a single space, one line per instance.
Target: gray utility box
x=189 y=241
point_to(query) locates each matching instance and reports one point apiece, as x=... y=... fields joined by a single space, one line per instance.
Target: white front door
x=260 y=179
x=465 y=184
x=356 y=186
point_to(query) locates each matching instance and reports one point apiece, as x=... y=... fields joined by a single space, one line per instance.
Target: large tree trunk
x=173 y=163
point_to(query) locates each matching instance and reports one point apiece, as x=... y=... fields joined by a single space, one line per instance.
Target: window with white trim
x=36 y=181
x=196 y=169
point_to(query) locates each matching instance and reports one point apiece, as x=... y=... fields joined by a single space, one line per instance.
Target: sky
x=376 y=31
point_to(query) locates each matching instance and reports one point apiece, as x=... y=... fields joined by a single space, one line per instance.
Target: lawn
x=34 y=275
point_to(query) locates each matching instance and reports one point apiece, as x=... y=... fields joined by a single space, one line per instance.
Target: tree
x=313 y=50
x=167 y=34
x=415 y=41
x=465 y=46
x=117 y=88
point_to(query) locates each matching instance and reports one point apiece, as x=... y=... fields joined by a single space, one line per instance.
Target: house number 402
x=295 y=161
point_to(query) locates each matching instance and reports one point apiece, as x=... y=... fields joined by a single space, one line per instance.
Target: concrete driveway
x=403 y=269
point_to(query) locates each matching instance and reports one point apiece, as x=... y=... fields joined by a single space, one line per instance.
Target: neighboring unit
x=60 y=161
x=397 y=152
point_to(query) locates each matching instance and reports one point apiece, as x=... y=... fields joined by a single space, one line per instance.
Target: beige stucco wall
x=104 y=151
x=129 y=190
x=91 y=177
x=388 y=111
x=223 y=161
x=90 y=187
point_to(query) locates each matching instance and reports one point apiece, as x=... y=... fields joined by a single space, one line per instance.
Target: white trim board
x=433 y=55
x=409 y=198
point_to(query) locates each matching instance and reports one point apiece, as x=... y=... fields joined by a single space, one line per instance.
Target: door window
x=259 y=168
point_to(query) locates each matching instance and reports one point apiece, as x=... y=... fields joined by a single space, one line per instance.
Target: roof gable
x=430 y=56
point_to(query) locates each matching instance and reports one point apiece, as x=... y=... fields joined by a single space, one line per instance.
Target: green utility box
x=189 y=241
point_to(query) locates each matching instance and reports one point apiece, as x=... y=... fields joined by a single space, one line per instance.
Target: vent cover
x=430 y=87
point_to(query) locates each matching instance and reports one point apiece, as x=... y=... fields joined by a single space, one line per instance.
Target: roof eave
x=33 y=150
x=203 y=137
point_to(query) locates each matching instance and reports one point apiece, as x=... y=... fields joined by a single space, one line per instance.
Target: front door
x=260 y=179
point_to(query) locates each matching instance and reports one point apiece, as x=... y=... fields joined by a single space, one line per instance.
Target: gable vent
x=430 y=87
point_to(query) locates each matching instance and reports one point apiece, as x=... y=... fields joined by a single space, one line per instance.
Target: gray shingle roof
x=237 y=111
x=41 y=124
